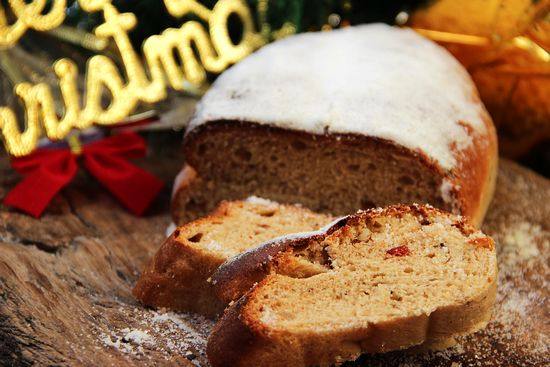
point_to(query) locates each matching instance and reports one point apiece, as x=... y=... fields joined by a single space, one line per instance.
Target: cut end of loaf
x=388 y=279
x=335 y=174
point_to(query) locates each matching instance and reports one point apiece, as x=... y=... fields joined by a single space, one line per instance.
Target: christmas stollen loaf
x=385 y=279
x=177 y=276
x=337 y=121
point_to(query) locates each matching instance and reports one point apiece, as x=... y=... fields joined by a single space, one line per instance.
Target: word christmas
x=145 y=79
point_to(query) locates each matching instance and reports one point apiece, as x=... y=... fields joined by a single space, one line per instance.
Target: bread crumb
x=268 y=316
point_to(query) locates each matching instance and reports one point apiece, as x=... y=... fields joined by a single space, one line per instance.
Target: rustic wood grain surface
x=65 y=282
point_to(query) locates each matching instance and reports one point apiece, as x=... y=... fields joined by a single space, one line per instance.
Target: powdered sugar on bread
x=372 y=80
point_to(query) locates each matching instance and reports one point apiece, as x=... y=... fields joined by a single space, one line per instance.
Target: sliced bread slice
x=384 y=279
x=177 y=276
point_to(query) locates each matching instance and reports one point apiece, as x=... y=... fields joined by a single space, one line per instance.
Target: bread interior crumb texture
x=385 y=269
x=325 y=174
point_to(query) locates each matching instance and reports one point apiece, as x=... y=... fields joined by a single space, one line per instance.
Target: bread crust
x=476 y=171
x=185 y=183
x=176 y=279
x=240 y=339
x=471 y=182
x=233 y=333
x=237 y=340
x=233 y=278
x=178 y=275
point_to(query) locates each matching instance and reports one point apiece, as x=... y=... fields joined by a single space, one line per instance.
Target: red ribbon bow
x=47 y=171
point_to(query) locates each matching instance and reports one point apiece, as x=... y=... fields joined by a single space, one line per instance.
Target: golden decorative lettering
x=144 y=79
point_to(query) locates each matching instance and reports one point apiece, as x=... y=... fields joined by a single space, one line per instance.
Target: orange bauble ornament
x=504 y=45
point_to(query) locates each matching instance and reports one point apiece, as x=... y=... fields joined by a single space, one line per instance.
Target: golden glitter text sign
x=145 y=79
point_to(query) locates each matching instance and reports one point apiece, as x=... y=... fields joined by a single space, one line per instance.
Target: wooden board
x=65 y=282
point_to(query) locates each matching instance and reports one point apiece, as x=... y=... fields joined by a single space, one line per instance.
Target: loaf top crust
x=372 y=80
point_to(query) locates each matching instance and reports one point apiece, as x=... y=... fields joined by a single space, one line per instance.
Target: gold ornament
x=144 y=80
x=504 y=44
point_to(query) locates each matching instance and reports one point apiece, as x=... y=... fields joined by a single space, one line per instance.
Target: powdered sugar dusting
x=371 y=80
x=138 y=336
x=218 y=248
x=128 y=341
x=446 y=190
x=170 y=229
x=260 y=201
x=523 y=258
x=520 y=243
x=159 y=332
x=518 y=322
